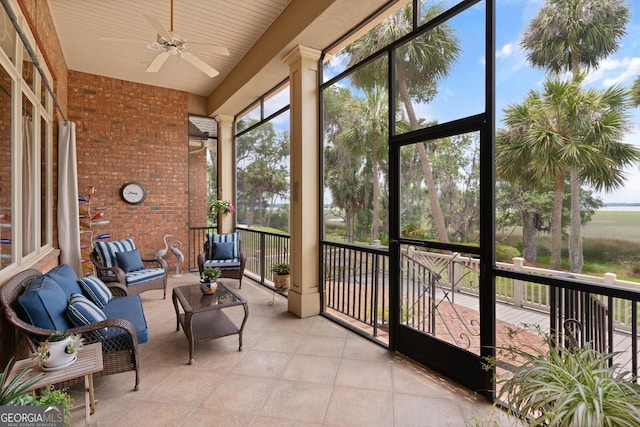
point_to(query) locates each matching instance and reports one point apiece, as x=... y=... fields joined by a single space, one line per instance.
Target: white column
x=304 y=295
x=226 y=168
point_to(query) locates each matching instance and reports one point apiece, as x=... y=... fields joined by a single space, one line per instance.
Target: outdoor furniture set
x=107 y=308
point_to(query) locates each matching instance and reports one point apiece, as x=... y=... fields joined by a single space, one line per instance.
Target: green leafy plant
x=569 y=387
x=49 y=396
x=211 y=273
x=221 y=206
x=281 y=268
x=13 y=392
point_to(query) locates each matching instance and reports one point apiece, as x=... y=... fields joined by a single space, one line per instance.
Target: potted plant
x=558 y=386
x=221 y=206
x=58 y=351
x=208 y=283
x=281 y=276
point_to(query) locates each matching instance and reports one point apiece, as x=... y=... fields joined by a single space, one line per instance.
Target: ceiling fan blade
x=210 y=48
x=200 y=64
x=160 y=29
x=157 y=62
x=121 y=40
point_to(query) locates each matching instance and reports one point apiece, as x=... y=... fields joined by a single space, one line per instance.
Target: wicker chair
x=112 y=273
x=119 y=351
x=235 y=272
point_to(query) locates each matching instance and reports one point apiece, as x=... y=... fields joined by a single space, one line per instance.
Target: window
x=26 y=134
x=262 y=158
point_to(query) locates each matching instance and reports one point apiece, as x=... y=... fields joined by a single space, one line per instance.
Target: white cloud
x=615 y=71
x=506 y=51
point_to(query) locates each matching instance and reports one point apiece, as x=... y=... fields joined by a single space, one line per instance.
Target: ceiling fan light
x=172 y=50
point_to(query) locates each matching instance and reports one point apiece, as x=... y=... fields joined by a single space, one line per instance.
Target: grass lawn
x=614 y=225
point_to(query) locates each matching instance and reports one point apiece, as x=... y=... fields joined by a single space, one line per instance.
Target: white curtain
x=68 y=226
x=28 y=213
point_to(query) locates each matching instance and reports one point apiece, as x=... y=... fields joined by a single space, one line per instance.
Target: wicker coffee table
x=203 y=318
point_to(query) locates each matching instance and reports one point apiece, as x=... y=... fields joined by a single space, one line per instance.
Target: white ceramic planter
x=58 y=357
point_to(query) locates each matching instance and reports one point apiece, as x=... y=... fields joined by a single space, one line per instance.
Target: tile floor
x=291 y=372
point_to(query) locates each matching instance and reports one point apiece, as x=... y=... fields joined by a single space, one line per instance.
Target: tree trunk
x=529 y=230
x=576 y=259
x=375 y=212
x=436 y=211
x=556 y=223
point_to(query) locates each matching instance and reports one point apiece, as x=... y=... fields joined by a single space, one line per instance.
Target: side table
x=89 y=361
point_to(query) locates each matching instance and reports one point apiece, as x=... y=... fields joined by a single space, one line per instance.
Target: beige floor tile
x=218 y=417
x=281 y=422
x=144 y=414
x=312 y=369
x=187 y=386
x=410 y=378
x=326 y=328
x=241 y=394
x=364 y=374
x=279 y=341
x=322 y=346
x=298 y=401
x=266 y=364
x=357 y=407
x=358 y=348
x=411 y=410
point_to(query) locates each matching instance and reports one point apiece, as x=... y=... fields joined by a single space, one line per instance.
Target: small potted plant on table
x=281 y=276
x=58 y=351
x=208 y=284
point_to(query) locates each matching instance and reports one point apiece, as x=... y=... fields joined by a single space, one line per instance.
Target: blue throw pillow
x=66 y=278
x=223 y=250
x=82 y=312
x=129 y=261
x=95 y=289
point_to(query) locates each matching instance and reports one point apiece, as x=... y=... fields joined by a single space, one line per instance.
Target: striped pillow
x=107 y=250
x=82 y=312
x=222 y=238
x=95 y=289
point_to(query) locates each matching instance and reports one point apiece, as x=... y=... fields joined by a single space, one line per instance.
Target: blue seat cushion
x=66 y=278
x=44 y=304
x=129 y=261
x=223 y=238
x=129 y=308
x=143 y=275
x=223 y=263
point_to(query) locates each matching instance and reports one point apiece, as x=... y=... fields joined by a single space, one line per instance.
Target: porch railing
x=263 y=250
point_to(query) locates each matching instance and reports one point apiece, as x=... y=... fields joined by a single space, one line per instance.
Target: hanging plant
x=221 y=206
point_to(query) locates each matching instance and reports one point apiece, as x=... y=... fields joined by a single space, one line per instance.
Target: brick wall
x=133 y=132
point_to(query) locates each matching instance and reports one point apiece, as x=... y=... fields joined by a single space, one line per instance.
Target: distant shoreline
x=621 y=207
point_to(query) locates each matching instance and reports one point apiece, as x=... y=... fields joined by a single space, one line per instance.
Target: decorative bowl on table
x=208 y=288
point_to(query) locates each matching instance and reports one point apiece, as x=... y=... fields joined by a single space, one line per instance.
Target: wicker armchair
x=119 y=350
x=133 y=283
x=235 y=272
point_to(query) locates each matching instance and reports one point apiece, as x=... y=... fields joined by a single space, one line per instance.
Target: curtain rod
x=34 y=57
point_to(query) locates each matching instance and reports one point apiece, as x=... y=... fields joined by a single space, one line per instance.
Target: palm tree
x=419 y=65
x=566 y=128
x=568 y=35
x=368 y=133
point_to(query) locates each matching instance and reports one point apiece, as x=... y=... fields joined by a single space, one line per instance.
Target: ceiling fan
x=170 y=43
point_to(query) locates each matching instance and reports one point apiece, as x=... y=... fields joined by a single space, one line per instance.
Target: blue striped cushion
x=222 y=238
x=82 y=312
x=222 y=263
x=107 y=250
x=143 y=275
x=96 y=290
